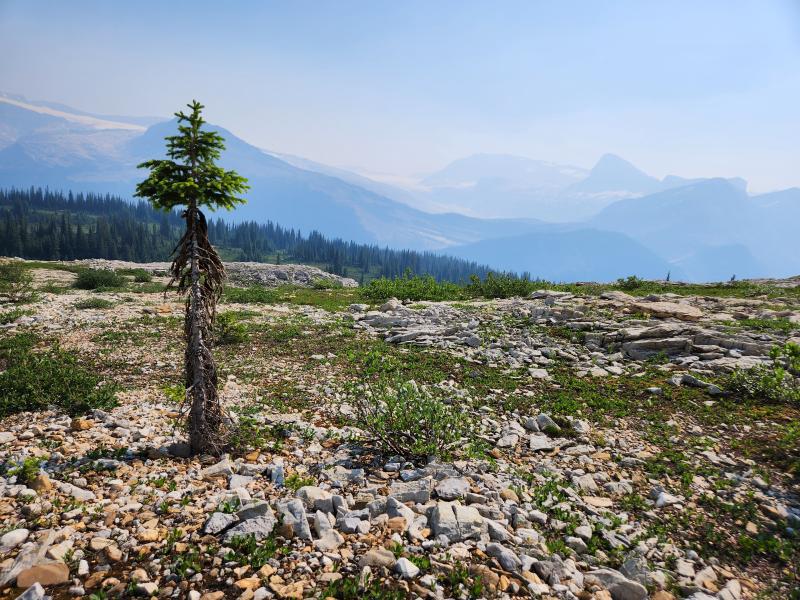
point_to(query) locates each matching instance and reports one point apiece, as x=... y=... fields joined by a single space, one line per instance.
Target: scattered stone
x=418 y=491
x=452 y=488
x=259 y=527
x=218 y=522
x=507 y=559
x=377 y=557
x=44 y=573
x=620 y=587
x=293 y=513
x=406 y=569
x=12 y=539
x=34 y=592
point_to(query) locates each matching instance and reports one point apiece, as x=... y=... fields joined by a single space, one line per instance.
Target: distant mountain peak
x=612 y=163
x=613 y=173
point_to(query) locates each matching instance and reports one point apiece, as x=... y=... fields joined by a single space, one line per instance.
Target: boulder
x=507 y=559
x=218 y=522
x=12 y=539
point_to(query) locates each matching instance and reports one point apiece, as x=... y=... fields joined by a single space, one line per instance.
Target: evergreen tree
x=191 y=179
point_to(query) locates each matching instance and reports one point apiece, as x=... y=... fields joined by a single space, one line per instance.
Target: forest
x=43 y=224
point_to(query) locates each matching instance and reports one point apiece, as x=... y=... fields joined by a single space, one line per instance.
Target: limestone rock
x=44 y=573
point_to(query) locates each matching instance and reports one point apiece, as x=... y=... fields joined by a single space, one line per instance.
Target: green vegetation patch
x=332 y=299
x=94 y=279
x=246 y=550
x=502 y=285
x=139 y=275
x=229 y=330
x=9 y=316
x=406 y=419
x=39 y=380
x=776 y=383
x=411 y=287
x=93 y=303
x=16 y=283
x=782 y=324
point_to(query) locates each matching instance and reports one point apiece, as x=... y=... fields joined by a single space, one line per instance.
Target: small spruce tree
x=191 y=179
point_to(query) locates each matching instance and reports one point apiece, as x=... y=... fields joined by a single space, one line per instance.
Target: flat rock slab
x=48 y=573
x=412 y=491
x=598 y=501
x=675 y=310
x=259 y=527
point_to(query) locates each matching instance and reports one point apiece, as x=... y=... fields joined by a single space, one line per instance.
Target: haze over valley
x=557 y=222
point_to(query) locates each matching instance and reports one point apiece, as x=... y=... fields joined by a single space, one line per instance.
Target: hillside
x=591 y=441
x=65 y=154
x=687 y=224
x=41 y=224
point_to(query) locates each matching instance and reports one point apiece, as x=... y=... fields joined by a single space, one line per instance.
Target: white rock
x=452 y=488
x=35 y=592
x=12 y=539
x=405 y=568
x=329 y=541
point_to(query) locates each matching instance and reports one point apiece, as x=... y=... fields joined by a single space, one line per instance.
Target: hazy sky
x=697 y=88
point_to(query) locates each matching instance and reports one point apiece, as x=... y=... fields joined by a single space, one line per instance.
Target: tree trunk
x=205 y=422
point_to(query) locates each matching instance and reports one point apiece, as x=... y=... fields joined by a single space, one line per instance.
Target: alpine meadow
x=424 y=301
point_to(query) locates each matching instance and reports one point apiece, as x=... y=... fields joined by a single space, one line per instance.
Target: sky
x=707 y=88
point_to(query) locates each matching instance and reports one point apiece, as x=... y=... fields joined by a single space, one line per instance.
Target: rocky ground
x=605 y=458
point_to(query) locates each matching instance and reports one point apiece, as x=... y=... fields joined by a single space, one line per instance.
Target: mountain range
x=558 y=222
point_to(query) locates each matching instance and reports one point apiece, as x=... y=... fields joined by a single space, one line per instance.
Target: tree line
x=43 y=224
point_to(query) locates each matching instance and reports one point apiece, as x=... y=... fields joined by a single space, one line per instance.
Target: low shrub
x=410 y=420
x=414 y=287
x=139 y=275
x=778 y=382
x=229 y=330
x=39 y=380
x=92 y=279
x=326 y=284
x=632 y=282
x=500 y=285
x=99 y=303
x=425 y=287
x=16 y=283
x=27 y=470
